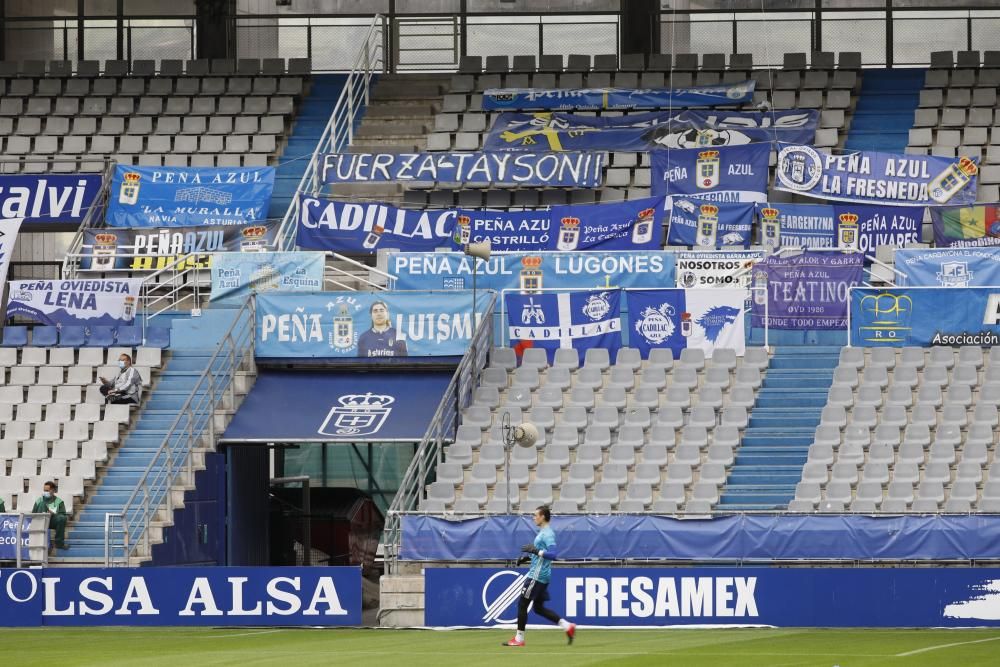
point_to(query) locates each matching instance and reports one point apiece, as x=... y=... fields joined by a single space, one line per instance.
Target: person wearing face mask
x=126 y=388
x=53 y=505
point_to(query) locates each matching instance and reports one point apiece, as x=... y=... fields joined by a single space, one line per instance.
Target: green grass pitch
x=108 y=647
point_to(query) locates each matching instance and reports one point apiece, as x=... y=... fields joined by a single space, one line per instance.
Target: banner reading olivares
x=75 y=302
x=807 y=291
x=48 y=198
x=495 y=99
x=155 y=249
x=184 y=197
x=190 y=596
x=642 y=132
x=579 y=170
x=877 y=178
x=724 y=174
x=900 y=316
x=237 y=275
x=359 y=324
x=859 y=226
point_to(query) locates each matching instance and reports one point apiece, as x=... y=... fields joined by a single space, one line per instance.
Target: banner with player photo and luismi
x=807 y=291
x=189 y=196
x=237 y=275
x=948 y=267
x=876 y=178
x=554 y=131
x=9 y=229
x=141 y=249
x=676 y=319
x=553 y=320
x=966 y=226
x=706 y=224
x=372 y=325
x=727 y=174
x=861 y=227
x=949 y=316
x=716 y=269
x=498 y=99
x=109 y=302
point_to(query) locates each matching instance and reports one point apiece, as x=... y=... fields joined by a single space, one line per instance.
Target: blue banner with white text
x=188 y=196
x=900 y=316
x=807 y=291
x=726 y=174
x=636 y=224
x=48 y=198
x=948 y=267
x=876 y=178
x=677 y=319
x=8 y=536
x=571 y=169
x=828 y=226
x=548 y=131
x=702 y=224
x=576 y=320
x=498 y=99
x=237 y=275
x=181 y=596
x=89 y=303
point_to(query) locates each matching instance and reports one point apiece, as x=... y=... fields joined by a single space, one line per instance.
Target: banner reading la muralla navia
x=497 y=99
x=8 y=238
x=530 y=272
x=553 y=131
x=110 y=302
x=677 y=319
x=48 y=198
x=175 y=596
x=237 y=275
x=362 y=324
x=877 y=178
x=142 y=249
x=862 y=227
x=948 y=267
x=188 y=196
x=720 y=174
x=900 y=316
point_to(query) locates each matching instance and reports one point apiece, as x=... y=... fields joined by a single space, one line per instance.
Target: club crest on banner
x=955 y=274
x=848 y=230
x=129 y=192
x=799 y=167
x=951 y=180
x=531 y=274
x=532 y=312
x=656 y=324
x=886 y=317
x=597 y=306
x=569 y=233
x=708 y=223
x=708 y=166
x=357 y=415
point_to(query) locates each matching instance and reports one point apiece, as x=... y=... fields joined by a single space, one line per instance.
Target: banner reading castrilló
x=807 y=291
x=495 y=99
x=863 y=227
x=966 y=226
x=877 y=178
x=75 y=302
x=724 y=174
x=237 y=275
x=706 y=224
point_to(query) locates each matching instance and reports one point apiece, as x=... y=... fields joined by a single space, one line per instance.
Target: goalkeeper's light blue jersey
x=541 y=568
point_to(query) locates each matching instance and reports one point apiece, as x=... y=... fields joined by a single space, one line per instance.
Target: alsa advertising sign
x=208 y=596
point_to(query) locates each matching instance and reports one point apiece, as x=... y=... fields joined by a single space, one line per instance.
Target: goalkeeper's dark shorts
x=535 y=591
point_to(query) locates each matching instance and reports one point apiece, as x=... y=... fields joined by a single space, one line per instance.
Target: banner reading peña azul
x=723 y=174
x=862 y=227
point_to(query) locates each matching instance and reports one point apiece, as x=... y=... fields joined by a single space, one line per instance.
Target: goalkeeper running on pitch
x=542 y=553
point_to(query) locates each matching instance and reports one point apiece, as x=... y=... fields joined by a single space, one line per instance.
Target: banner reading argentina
x=578 y=320
x=237 y=275
x=863 y=227
x=358 y=228
x=75 y=302
x=550 y=131
x=724 y=174
x=897 y=317
x=364 y=324
x=578 y=170
x=806 y=291
x=948 y=267
x=676 y=319
x=966 y=226
x=703 y=224
x=877 y=178
x=496 y=99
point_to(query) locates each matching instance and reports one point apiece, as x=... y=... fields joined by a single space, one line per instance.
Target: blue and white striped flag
x=579 y=320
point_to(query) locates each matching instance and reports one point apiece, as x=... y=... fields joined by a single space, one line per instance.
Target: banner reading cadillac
x=716 y=269
x=898 y=316
x=704 y=224
x=48 y=198
x=807 y=291
x=642 y=132
x=75 y=302
x=680 y=318
x=366 y=227
x=859 y=226
x=727 y=174
x=948 y=267
x=877 y=178
x=966 y=226
x=237 y=275
x=531 y=272
x=576 y=320
x=496 y=99
x=8 y=237
x=578 y=170
x=362 y=324
x=154 y=249
x=184 y=197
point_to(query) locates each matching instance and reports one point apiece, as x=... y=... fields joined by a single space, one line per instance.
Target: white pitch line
x=940 y=646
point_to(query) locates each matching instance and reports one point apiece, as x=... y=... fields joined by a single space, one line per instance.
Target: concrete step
x=402 y=110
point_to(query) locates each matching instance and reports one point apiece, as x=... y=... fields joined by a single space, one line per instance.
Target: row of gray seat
x=141 y=125
x=44 y=145
x=962 y=78
x=145 y=106
x=156 y=86
x=964 y=59
x=148 y=68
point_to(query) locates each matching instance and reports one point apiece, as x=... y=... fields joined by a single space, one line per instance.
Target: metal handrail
x=339 y=130
x=175 y=456
x=92 y=219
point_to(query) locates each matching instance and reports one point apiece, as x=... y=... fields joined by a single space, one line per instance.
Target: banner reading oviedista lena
x=575 y=320
x=719 y=174
x=863 y=227
x=877 y=178
x=900 y=316
x=237 y=275
x=366 y=325
x=8 y=238
x=48 y=198
x=966 y=226
x=706 y=224
x=109 y=302
x=677 y=319
x=496 y=99
x=578 y=170
x=807 y=291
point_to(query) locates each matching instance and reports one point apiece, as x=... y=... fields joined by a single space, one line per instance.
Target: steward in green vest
x=51 y=503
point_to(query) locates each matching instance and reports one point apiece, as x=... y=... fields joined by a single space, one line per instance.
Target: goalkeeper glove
x=523 y=560
x=530 y=548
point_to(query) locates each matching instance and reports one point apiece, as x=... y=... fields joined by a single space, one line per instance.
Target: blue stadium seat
x=101 y=337
x=129 y=336
x=71 y=337
x=44 y=336
x=158 y=337
x=14 y=336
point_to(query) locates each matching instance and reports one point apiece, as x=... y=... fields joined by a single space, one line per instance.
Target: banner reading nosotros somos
x=533 y=271
x=581 y=170
x=716 y=269
x=183 y=197
x=364 y=227
x=966 y=226
x=640 y=132
x=677 y=319
x=818 y=225
x=807 y=291
x=369 y=325
x=900 y=316
x=705 y=224
x=48 y=197
x=948 y=267
x=75 y=302
x=723 y=174
x=877 y=178
x=237 y=275
x=154 y=249
x=617 y=98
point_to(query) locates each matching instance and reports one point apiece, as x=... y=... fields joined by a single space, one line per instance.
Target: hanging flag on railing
x=553 y=320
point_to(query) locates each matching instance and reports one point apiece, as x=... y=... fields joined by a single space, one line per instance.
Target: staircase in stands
x=784 y=418
x=884 y=111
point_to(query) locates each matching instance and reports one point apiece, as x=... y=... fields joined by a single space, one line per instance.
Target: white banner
x=75 y=302
x=716 y=269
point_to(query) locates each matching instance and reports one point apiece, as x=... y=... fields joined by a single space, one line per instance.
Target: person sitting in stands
x=53 y=504
x=126 y=388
